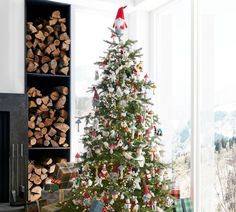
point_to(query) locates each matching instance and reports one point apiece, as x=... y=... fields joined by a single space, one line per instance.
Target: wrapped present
x=96 y=206
x=51 y=208
x=55 y=196
x=51 y=187
x=65 y=171
x=175 y=192
x=184 y=205
x=35 y=206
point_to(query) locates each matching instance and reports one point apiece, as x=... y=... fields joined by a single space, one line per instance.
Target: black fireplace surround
x=13 y=148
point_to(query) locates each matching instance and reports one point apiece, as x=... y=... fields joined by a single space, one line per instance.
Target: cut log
x=34 y=197
x=56 y=52
x=45 y=59
x=47 y=162
x=57 y=42
x=62 y=127
x=39 y=142
x=49 y=29
x=46 y=143
x=30 y=184
x=63 y=27
x=65 y=60
x=54 y=95
x=30 y=168
x=44 y=176
x=31 y=28
x=62 y=20
x=64 y=36
x=65 y=145
x=38 y=101
x=30 y=133
x=64 y=114
x=61 y=141
x=32 y=104
x=38 y=134
x=48 y=50
x=40 y=35
x=30 y=53
x=52 y=47
x=39 y=120
x=52 y=113
x=39 y=52
x=44 y=130
x=31 y=67
x=50 y=40
x=28 y=37
x=51 y=169
x=62 y=134
x=46 y=34
x=38 y=170
x=47 y=137
x=31 y=124
x=60 y=120
x=41 y=45
x=61 y=102
x=45 y=99
x=41 y=125
x=44 y=170
x=45 y=68
x=52 y=132
x=32 y=118
x=29 y=44
x=62 y=90
x=48 y=122
x=56 y=14
x=40 y=26
x=52 y=22
x=50 y=104
x=65 y=46
x=36 y=179
x=43 y=107
x=64 y=70
x=36 y=190
x=54 y=143
x=53 y=64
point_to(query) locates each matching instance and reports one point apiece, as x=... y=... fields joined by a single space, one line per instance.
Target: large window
x=173 y=77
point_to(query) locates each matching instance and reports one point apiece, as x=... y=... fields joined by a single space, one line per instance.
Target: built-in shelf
x=49 y=148
x=47 y=75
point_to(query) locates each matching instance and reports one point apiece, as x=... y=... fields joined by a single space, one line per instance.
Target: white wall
x=12 y=46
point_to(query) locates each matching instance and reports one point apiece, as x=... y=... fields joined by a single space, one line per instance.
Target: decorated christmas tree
x=122 y=167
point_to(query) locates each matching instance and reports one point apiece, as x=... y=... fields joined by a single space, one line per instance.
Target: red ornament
x=104 y=171
x=119 y=137
x=56 y=181
x=146 y=77
x=140 y=118
x=148 y=132
x=77 y=156
x=95 y=96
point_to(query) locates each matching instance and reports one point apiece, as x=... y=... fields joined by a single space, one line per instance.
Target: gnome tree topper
x=120 y=24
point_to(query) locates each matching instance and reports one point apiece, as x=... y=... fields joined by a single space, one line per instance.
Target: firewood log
x=52 y=22
x=62 y=20
x=52 y=132
x=31 y=28
x=32 y=104
x=49 y=29
x=63 y=27
x=45 y=68
x=30 y=184
x=47 y=162
x=48 y=122
x=61 y=141
x=54 y=143
x=38 y=101
x=31 y=124
x=40 y=35
x=61 y=102
x=38 y=170
x=64 y=70
x=45 y=59
x=46 y=143
x=56 y=14
x=28 y=37
x=54 y=95
x=30 y=133
x=30 y=53
x=63 y=113
x=53 y=64
x=36 y=190
x=36 y=179
x=51 y=169
x=62 y=127
x=62 y=90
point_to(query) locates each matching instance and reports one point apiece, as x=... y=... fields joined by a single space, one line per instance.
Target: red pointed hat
x=120 y=13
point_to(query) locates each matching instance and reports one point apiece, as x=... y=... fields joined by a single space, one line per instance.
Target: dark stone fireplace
x=13 y=150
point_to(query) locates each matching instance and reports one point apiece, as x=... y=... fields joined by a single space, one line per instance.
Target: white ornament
x=111 y=89
x=98 y=181
x=105 y=133
x=113 y=76
x=128 y=155
x=95 y=123
x=119 y=92
x=137 y=180
x=140 y=158
x=126 y=91
x=89 y=183
x=123 y=103
x=127 y=204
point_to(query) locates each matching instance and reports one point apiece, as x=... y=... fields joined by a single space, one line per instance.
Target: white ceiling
x=132 y=5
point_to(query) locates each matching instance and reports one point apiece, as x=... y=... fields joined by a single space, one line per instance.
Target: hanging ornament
x=140 y=118
x=95 y=98
x=77 y=158
x=112 y=76
x=96 y=75
x=104 y=172
x=86 y=130
x=78 y=123
x=111 y=89
x=136 y=205
x=119 y=92
x=146 y=195
x=153 y=153
x=121 y=169
x=133 y=129
x=95 y=123
x=128 y=155
x=124 y=124
x=98 y=181
x=148 y=175
x=123 y=114
x=146 y=77
x=140 y=158
x=136 y=185
x=127 y=205
x=76 y=182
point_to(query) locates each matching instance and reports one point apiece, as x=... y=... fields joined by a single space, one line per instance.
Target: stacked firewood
x=40 y=174
x=47 y=117
x=47 y=45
